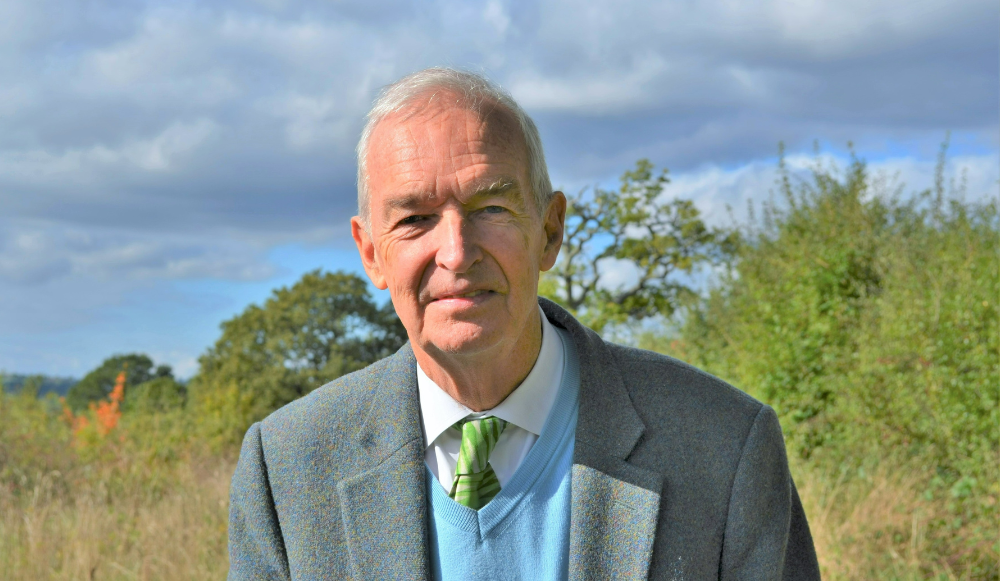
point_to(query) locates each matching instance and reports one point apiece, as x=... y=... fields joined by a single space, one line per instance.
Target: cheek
x=405 y=264
x=517 y=252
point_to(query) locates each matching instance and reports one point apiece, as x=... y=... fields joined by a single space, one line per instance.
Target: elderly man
x=505 y=440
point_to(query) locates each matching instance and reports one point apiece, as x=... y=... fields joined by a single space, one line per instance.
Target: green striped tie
x=475 y=481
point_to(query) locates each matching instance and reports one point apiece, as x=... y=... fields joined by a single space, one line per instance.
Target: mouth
x=466 y=295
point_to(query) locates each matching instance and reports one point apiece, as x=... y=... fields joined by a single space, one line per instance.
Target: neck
x=481 y=380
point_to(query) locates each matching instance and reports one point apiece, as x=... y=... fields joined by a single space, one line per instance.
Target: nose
x=457 y=249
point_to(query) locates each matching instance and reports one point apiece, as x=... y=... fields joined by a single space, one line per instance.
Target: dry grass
x=883 y=527
x=173 y=526
x=91 y=534
x=122 y=513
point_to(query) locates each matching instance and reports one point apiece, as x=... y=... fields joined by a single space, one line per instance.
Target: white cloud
x=617 y=274
x=159 y=153
x=496 y=15
x=315 y=120
x=620 y=90
x=716 y=190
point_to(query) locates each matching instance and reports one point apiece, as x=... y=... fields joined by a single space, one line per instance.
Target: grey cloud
x=197 y=126
x=37 y=254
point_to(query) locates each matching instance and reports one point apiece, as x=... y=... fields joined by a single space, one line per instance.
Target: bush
x=156 y=395
x=870 y=323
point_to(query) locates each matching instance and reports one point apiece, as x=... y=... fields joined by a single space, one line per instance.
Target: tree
x=97 y=384
x=635 y=225
x=322 y=327
x=159 y=394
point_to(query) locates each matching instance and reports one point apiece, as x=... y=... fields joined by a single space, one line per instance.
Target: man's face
x=455 y=234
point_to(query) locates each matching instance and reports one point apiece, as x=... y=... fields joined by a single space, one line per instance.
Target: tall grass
x=882 y=526
x=53 y=532
x=138 y=502
x=143 y=503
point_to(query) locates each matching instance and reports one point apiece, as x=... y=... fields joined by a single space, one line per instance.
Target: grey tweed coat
x=676 y=475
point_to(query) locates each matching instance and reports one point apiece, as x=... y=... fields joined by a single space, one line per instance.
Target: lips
x=464 y=295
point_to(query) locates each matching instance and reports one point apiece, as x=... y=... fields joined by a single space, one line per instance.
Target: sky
x=165 y=164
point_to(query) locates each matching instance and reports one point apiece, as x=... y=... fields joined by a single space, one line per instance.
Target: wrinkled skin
x=456 y=237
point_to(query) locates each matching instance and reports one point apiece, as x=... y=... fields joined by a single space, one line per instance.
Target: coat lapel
x=384 y=506
x=612 y=526
x=615 y=505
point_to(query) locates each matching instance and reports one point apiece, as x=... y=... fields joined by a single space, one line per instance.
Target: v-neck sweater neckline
x=561 y=419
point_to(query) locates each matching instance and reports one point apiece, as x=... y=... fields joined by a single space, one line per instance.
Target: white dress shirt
x=525 y=410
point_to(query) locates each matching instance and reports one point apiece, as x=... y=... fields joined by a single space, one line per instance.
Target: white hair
x=474 y=92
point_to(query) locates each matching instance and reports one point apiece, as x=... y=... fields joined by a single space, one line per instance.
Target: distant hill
x=13 y=382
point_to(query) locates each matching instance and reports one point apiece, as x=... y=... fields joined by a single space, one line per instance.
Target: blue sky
x=164 y=164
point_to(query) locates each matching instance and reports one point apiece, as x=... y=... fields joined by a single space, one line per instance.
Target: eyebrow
x=503 y=187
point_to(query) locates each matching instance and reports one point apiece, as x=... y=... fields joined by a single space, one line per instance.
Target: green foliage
x=97 y=384
x=156 y=395
x=870 y=323
x=324 y=326
x=638 y=226
x=33 y=440
x=784 y=320
x=39 y=449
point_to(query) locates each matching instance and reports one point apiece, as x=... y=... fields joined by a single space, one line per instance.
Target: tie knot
x=475 y=481
x=479 y=438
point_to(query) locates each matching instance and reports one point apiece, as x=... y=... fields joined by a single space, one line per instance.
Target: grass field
x=126 y=511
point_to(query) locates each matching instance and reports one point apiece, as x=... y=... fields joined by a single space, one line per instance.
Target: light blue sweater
x=523 y=533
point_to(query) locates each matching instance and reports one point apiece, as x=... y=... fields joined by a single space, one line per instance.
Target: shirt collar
x=526 y=407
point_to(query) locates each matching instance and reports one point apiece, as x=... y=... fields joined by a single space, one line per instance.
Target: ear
x=366 y=248
x=555 y=225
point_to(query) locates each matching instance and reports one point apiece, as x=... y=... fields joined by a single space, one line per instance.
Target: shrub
x=156 y=395
x=870 y=323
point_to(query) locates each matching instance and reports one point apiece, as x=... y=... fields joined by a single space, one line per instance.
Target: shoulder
x=323 y=424
x=686 y=410
x=339 y=402
x=656 y=377
x=678 y=403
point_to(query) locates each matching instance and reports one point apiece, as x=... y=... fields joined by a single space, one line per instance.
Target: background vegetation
x=866 y=318
x=870 y=323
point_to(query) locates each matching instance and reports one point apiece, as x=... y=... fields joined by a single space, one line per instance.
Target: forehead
x=443 y=145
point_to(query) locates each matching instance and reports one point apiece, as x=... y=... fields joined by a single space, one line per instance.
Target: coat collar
x=393 y=418
x=608 y=424
x=615 y=504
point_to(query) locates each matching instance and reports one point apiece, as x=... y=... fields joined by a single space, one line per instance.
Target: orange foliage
x=107 y=412
x=78 y=423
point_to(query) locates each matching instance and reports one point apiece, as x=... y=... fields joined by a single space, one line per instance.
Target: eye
x=494 y=209
x=409 y=220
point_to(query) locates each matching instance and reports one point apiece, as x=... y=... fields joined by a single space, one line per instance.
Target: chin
x=465 y=338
